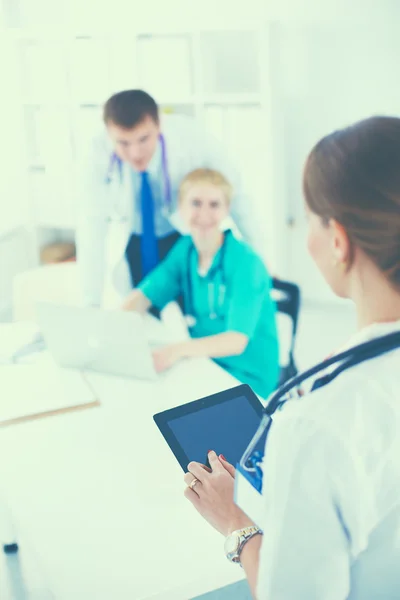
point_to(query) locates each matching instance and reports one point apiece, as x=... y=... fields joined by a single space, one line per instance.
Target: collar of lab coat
x=155 y=165
x=371 y=332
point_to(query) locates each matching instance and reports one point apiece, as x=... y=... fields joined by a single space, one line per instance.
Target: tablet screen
x=225 y=425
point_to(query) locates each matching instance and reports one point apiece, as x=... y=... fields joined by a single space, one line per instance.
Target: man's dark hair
x=129 y=108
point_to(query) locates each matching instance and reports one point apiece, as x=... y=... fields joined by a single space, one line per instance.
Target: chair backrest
x=51 y=283
x=287 y=297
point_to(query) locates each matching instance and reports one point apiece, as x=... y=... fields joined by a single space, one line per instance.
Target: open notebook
x=32 y=391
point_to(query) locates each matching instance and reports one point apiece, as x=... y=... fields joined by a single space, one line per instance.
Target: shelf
x=11 y=229
x=176 y=101
x=24 y=34
x=216 y=27
x=89 y=69
x=43 y=72
x=221 y=53
x=34 y=103
x=220 y=99
x=233 y=99
x=178 y=109
x=70 y=31
x=184 y=101
x=174 y=55
x=68 y=224
x=68 y=74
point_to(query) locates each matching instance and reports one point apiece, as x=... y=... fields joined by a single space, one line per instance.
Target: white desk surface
x=99 y=494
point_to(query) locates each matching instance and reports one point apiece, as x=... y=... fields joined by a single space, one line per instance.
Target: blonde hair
x=206 y=176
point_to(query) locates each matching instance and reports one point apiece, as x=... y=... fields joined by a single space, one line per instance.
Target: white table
x=99 y=494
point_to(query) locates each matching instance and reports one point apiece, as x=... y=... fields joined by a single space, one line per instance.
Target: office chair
x=57 y=283
x=7 y=531
x=288 y=303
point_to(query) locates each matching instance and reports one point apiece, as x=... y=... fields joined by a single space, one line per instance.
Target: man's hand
x=136 y=301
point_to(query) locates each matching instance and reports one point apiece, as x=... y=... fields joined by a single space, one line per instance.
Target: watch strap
x=244 y=536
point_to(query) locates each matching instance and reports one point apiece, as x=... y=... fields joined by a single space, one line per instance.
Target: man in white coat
x=128 y=217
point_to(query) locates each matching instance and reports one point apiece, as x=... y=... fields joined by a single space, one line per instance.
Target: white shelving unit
x=267 y=78
x=214 y=74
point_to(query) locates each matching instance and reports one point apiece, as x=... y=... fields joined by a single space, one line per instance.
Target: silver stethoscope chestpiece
x=166 y=211
x=190 y=321
x=117 y=219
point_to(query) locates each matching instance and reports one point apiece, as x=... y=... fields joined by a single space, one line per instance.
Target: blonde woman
x=225 y=288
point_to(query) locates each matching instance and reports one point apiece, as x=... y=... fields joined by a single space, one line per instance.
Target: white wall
x=329 y=11
x=327 y=76
x=62 y=104
x=13 y=205
x=326 y=70
x=15 y=244
x=163 y=14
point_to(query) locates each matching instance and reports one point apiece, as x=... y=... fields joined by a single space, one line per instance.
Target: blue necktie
x=149 y=247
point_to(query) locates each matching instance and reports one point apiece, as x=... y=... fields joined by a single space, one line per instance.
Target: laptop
x=115 y=342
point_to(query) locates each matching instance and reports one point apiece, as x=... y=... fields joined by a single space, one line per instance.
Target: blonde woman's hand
x=166 y=357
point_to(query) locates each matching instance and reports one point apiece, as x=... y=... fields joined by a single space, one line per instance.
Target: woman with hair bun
x=330 y=499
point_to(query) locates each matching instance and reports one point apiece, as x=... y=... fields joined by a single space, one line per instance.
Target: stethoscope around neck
x=216 y=290
x=115 y=168
x=250 y=463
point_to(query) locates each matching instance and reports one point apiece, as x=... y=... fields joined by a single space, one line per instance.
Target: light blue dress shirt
x=162 y=224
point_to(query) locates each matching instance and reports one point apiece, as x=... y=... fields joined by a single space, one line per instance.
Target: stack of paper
x=14 y=336
x=38 y=390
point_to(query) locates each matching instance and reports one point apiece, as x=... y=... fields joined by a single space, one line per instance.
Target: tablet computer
x=224 y=422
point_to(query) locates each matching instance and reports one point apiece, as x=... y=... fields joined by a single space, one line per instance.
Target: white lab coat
x=331 y=491
x=101 y=244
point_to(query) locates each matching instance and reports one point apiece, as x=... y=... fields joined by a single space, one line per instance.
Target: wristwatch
x=235 y=542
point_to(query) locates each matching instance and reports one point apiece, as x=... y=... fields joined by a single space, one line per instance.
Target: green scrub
x=233 y=296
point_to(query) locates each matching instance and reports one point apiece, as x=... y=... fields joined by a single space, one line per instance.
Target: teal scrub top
x=233 y=296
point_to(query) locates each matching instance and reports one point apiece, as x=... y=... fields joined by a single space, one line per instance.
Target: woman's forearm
x=229 y=343
x=249 y=559
x=136 y=301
